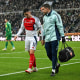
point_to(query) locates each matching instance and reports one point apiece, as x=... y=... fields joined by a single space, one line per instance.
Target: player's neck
x=30 y=16
x=6 y=21
x=49 y=11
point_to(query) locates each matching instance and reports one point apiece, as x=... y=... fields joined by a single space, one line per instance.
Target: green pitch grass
x=14 y=63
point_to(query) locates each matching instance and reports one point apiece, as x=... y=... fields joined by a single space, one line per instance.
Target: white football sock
x=53 y=70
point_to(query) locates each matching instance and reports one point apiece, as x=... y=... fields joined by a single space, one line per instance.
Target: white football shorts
x=30 y=43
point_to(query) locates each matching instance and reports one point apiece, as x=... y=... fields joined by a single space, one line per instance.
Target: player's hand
x=42 y=42
x=63 y=39
x=15 y=37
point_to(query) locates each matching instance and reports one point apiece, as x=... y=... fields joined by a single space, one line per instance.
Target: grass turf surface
x=18 y=60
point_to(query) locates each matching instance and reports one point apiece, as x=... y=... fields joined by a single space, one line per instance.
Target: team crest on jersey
x=31 y=21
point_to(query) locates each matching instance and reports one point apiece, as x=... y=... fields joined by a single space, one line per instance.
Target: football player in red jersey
x=31 y=24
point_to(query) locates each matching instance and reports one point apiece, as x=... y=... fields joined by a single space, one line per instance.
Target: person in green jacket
x=52 y=33
x=8 y=35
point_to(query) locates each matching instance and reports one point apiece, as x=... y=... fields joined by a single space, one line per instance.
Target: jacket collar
x=49 y=13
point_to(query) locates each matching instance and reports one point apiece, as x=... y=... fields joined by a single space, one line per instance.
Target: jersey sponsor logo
x=30 y=21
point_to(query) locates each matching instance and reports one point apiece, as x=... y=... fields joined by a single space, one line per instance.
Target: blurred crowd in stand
x=68 y=16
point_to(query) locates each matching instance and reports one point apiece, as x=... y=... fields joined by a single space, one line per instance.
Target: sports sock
x=31 y=61
x=53 y=70
x=12 y=44
x=6 y=44
x=34 y=64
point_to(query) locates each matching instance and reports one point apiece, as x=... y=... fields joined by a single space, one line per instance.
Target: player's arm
x=42 y=36
x=43 y=33
x=20 y=30
x=38 y=23
x=40 y=29
x=60 y=27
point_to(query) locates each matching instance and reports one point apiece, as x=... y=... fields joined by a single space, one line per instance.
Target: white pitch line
x=18 y=52
x=75 y=47
x=12 y=73
x=28 y=58
x=38 y=69
x=70 y=63
x=12 y=52
x=15 y=57
x=75 y=59
x=25 y=51
x=21 y=58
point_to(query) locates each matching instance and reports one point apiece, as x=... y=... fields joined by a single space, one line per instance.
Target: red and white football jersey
x=31 y=25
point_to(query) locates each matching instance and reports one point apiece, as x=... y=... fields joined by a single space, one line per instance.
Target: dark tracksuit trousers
x=51 y=49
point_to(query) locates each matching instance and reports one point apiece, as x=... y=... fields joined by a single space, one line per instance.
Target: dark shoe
x=57 y=67
x=52 y=74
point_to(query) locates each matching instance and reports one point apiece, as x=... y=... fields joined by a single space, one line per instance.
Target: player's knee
x=32 y=51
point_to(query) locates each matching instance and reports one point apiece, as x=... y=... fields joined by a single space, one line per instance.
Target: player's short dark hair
x=6 y=18
x=25 y=10
x=46 y=6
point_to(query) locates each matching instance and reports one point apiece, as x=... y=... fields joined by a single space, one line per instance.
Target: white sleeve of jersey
x=38 y=23
x=21 y=28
